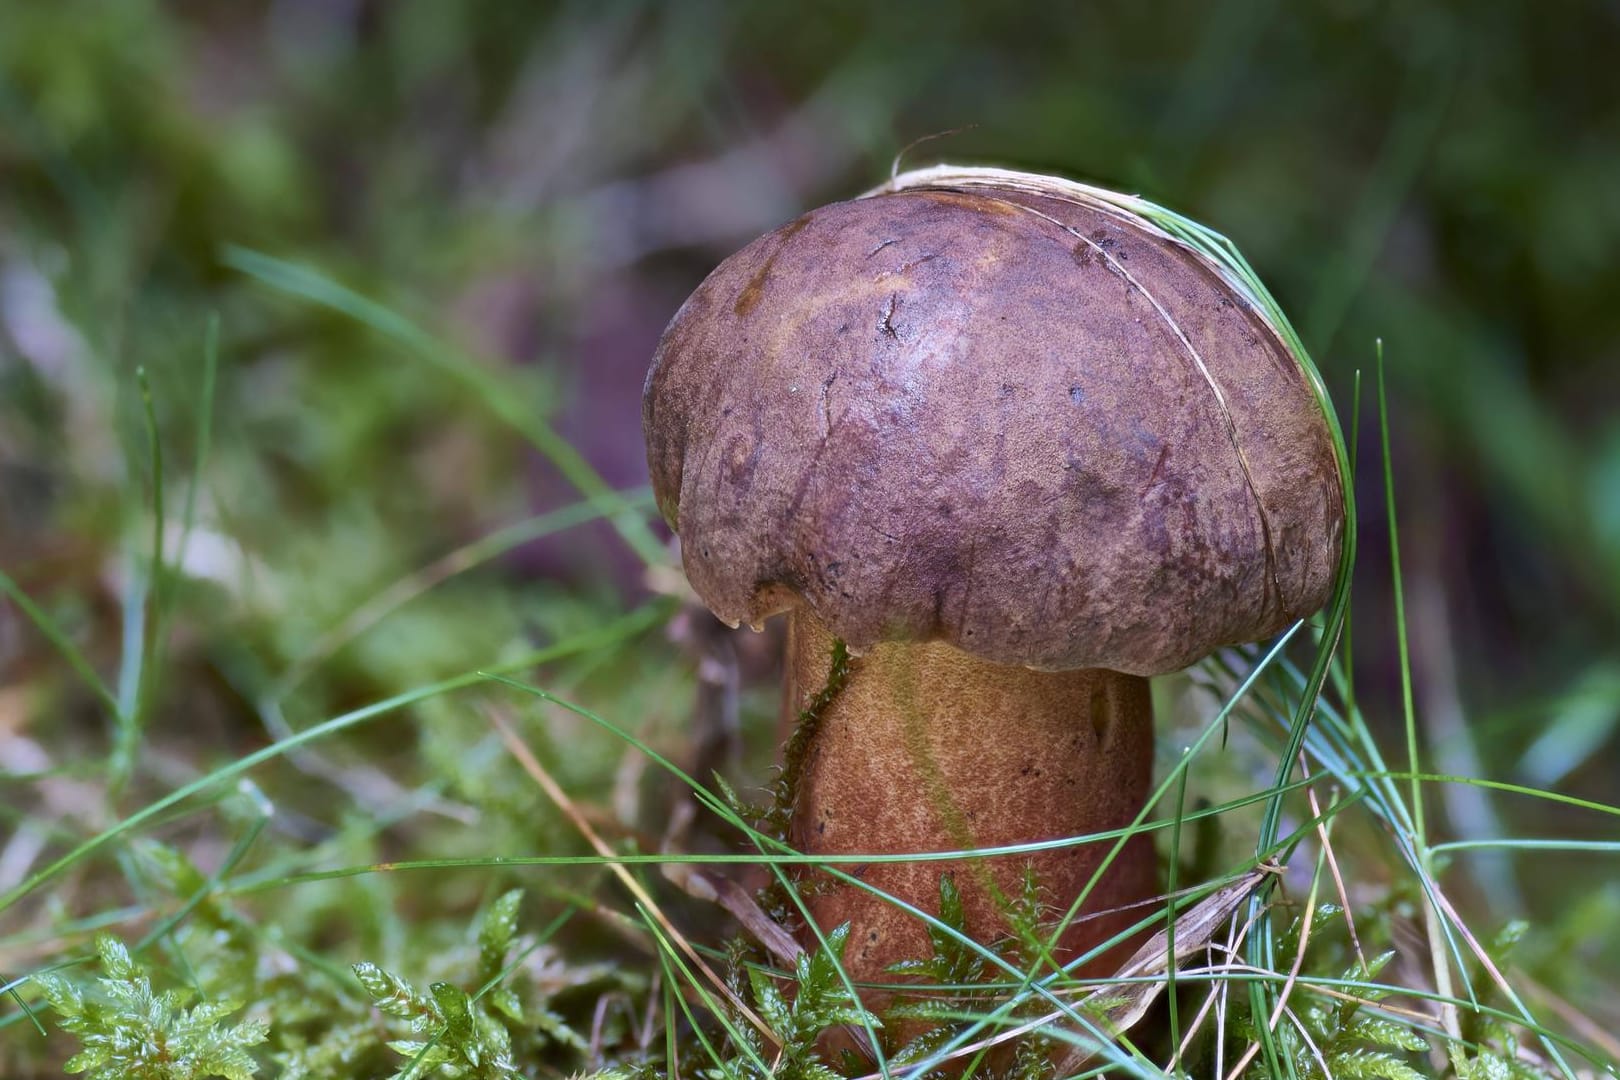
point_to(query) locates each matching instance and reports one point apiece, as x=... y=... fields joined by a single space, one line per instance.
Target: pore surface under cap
x=1030 y=426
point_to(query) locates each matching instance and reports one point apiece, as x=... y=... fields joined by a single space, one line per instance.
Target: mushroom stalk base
x=927 y=748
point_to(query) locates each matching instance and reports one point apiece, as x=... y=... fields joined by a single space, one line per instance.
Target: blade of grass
x=675 y=971
x=1346 y=675
x=1174 y=869
x=214 y=882
x=137 y=676
x=1439 y=961
x=277 y=879
x=491 y=391
x=61 y=642
x=204 y=442
x=637 y=621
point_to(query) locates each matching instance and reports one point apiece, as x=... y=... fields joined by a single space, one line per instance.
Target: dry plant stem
x=531 y=764
x=927 y=748
x=1288 y=985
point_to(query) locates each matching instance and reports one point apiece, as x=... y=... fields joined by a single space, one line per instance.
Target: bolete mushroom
x=1018 y=447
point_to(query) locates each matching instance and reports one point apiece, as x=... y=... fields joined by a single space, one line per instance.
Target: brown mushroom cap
x=992 y=409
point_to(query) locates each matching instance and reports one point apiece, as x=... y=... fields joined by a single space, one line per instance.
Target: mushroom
x=1018 y=448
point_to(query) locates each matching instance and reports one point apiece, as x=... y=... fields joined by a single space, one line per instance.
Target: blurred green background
x=535 y=187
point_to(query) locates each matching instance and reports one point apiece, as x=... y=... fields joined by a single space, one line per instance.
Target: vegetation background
x=387 y=266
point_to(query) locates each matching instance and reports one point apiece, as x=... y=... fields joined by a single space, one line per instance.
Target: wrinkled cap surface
x=996 y=410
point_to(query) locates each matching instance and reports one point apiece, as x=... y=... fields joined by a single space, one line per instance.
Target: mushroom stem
x=928 y=748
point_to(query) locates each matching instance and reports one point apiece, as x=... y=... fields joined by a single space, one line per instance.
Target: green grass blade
x=627 y=626
x=523 y=417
